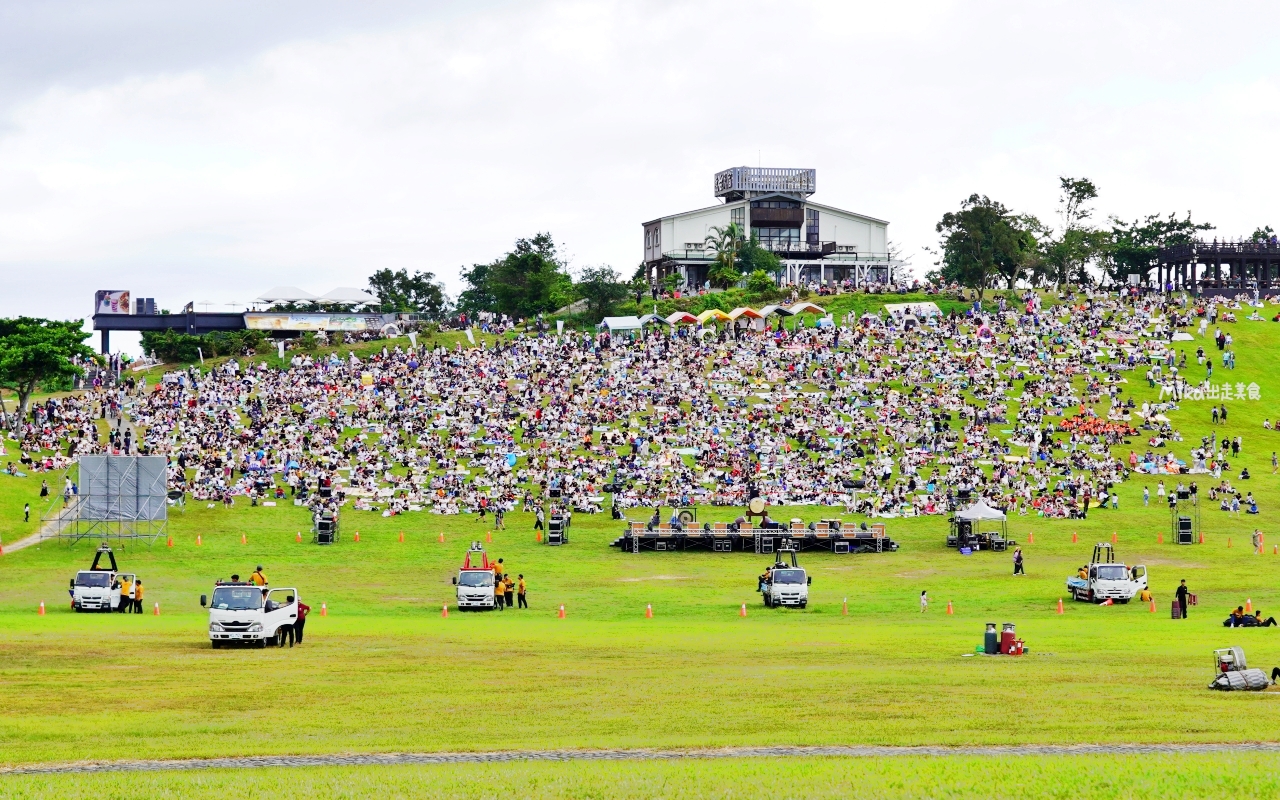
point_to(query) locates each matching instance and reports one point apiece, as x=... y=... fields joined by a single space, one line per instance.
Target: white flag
x=470 y=336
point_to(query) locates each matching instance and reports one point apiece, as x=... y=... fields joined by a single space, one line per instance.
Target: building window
x=811 y=225
x=777 y=238
x=738 y=216
x=774 y=204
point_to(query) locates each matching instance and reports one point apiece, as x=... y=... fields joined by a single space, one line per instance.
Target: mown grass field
x=384 y=671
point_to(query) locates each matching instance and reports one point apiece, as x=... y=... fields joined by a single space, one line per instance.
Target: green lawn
x=384 y=671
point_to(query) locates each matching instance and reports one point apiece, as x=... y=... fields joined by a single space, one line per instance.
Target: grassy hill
x=385 y=672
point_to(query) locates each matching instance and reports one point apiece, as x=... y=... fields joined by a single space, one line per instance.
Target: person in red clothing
x=303 y=610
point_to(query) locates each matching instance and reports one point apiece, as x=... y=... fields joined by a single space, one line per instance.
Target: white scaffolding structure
x=120 y=497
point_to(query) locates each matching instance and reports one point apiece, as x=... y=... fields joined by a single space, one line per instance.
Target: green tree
x=399 y=291
x=752 y=258
x=1068 y=255
x=725 y=241
x=1262 y=235
x=602 y=288
x=980 y=242
x=529 y=280
x=1132 y=248
x=38 y=351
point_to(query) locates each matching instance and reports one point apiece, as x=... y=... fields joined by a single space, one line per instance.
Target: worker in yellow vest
x=126 y=595
x=258 y=577
x=137 y=596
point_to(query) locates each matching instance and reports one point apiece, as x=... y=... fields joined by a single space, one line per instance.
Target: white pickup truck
x=785 y=586
x=98 y=588
x=248 y=614
x=1106 y=579
x=475 y=582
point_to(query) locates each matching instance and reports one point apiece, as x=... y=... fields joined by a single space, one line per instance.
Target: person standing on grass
x=520 y=589
x=303 y=610
x=499 y=591
x=498 y=519
x=924 y=601
x=1275 y=464
x=539 y=520
x=1146 y=496
x=1181 y=594
x=287 y=631
x=126 y=595
x=26 y=512
x=509 y=590
x=137 y=596
x=1017 y=561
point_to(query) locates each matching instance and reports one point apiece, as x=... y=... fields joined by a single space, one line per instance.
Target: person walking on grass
x=1146 y=496
x=1017 y=561
x=520 y=590
x=924 y=601
x=1275 y=463
x=26 y=512
x=539 y=520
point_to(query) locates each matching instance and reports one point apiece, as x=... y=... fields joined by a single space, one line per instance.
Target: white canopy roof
x=346 y=294
x=286 y=294
x=614 y=324
x=980 y=511
x=653 y=318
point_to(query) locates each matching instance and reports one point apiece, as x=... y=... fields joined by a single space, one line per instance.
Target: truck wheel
x=767 y=604
x=262 y=644
x=217 y=645
x=804 y=603
x=1125 y=601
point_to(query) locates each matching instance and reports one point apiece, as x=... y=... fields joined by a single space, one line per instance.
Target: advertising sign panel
x=111 y=301
x=267 y=321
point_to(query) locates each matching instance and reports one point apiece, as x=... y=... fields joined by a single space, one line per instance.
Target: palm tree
x=725 y=241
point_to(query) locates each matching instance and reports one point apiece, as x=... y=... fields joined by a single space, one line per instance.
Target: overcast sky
x=210 y=151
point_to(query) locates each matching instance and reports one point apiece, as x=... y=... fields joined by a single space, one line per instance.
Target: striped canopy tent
x=681 y=318
x=653 y=319
x=744 y=311
x=805 y=307
x=713 y=313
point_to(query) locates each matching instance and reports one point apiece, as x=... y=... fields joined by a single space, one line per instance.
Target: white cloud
x=429 y=144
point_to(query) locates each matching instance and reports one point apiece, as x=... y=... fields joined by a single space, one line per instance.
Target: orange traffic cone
x=742 y=612
x=401 y=536
x=488 y=536
x=441 y=537
x=1113 y=537
x=357 y=538
x=156 y=611
x=1073 y=537
x=199 y=540
x=324 y=609
x=1201 y=537
x=444 y=612
x=844 y=608
x=1275 y=549
x=560 y=613
x=42 y=608
x=171 y=541
x=1108 y=602
x=950 y=610
x=538 y=537
x=243 y=539
x=1248 y=606
x=648 y=611
x=1060 y=605
x=1153 y=605
x=1159 y=538
x=1031 y=537
x=299 y=537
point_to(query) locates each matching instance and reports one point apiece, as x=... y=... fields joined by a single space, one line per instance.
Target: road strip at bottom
x=506 y=756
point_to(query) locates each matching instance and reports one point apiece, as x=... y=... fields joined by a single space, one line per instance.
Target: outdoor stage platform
x=830 y=535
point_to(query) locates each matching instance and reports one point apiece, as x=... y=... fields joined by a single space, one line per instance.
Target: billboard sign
x=267 y=321
x=111 y=301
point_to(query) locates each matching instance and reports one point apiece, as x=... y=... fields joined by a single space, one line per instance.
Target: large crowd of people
x=1026 y=407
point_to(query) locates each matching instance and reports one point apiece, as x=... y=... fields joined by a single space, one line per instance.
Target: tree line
x=984 y=244
x=39 y=355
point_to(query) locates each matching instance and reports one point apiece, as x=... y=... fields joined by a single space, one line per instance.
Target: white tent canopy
x=287 y=294
x=616 y=324
x=980 y=511
x=346 y=294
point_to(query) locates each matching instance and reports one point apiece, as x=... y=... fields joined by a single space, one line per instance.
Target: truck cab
x=1106 y=579
x=474 y=581
x=244 y=613
x=98 y=588
x=783 y=585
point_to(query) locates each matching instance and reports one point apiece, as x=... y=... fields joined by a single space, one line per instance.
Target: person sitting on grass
x=1263 y=623
x=1235 y=619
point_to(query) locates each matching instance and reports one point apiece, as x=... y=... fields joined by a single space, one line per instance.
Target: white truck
x=244 y=613
x=475 y=583
x=783 y=585
x=1105 y=579
x=98 y=588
